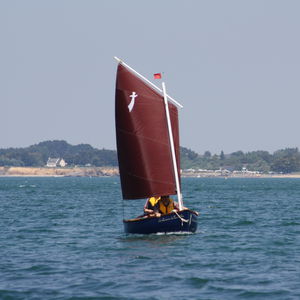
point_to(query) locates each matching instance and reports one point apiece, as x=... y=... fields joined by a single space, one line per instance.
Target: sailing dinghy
x=147 y=133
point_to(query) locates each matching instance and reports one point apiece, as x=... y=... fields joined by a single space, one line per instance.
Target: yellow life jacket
x=154 y=200
x=166 y=209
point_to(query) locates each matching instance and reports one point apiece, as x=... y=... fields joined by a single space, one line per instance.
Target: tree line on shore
x=37 y=155
x=281 y=161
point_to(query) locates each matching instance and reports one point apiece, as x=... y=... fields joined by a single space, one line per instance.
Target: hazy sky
x=234 y=65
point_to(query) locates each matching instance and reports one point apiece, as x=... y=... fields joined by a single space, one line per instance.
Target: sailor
x=157 y=206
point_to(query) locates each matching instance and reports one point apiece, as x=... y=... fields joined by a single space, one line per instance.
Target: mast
x=179 y=196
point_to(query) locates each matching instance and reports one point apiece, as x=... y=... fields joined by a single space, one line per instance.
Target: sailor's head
x=165 y=198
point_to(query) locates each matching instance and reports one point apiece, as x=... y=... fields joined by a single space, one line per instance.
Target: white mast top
x=148 y=81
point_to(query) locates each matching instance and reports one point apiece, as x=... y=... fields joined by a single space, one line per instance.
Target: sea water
x=63 y=238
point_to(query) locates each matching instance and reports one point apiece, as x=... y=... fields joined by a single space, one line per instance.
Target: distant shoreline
x=114 y=171
x=247 y=176
x=58 y=172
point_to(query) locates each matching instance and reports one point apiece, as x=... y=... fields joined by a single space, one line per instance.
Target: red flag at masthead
x=157 y=76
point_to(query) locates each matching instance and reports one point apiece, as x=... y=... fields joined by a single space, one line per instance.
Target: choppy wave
x=62 y=238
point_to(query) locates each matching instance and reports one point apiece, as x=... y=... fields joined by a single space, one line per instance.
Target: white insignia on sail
x=131 y=104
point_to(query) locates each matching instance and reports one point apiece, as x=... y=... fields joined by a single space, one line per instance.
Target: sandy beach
x=113 y=171
x=56 y=172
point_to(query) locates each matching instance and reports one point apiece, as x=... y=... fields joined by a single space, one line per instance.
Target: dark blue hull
x=167 y=223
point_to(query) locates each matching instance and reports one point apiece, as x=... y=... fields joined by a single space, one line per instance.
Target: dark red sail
x=144 y=153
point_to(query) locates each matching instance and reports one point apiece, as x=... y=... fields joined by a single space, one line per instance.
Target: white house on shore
x=56 y=162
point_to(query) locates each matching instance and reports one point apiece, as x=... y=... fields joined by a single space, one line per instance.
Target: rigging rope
x=182 y=219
